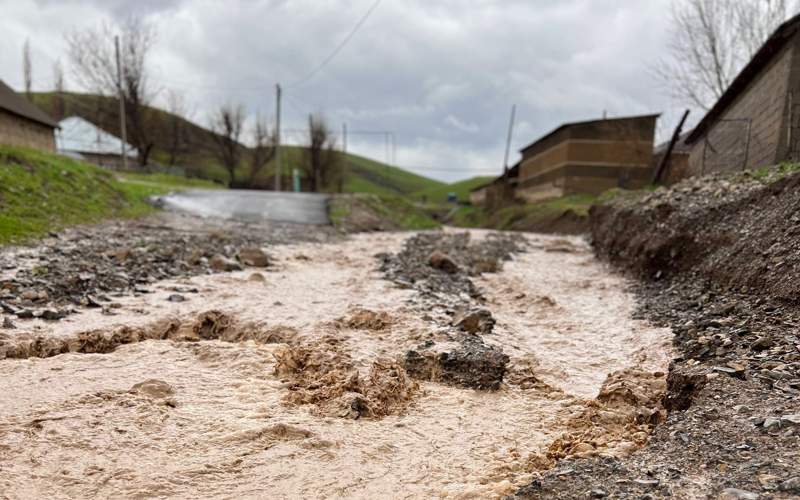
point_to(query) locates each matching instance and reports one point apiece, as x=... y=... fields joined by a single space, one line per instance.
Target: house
x=677 y=166
x=588 y=157
x=22 y=123
x=498 y=192
x=81 y=139
x=756 y=121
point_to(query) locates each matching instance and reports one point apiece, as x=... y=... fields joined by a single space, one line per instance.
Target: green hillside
x=438 y=194
x=196 y=154
x=41 y=192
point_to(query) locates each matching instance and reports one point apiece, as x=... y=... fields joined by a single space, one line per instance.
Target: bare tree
x=59 y=107
x=176 y=126
x=710 y=42
x=93 y=59
x=226 y=127
x=264 y=142
x=322 y=165
x=27 y=68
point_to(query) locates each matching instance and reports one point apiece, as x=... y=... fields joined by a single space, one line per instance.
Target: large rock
x=471 y=364
x=223 y=264
x=443 y=262
x=683 y=384
x=253 y=257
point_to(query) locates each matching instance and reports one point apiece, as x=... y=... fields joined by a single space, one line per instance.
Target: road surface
x=251 y=205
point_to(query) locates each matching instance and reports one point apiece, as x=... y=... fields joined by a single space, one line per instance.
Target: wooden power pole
x=508 y=139
x=662 y=165
x=278 y=165
x=122 y=120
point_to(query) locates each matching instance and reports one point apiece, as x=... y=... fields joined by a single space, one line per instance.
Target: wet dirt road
x=218 y=396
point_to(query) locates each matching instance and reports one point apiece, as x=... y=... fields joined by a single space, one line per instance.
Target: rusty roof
x=20 y=106
x=771 y=47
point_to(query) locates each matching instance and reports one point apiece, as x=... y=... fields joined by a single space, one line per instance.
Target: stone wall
x=18 y=131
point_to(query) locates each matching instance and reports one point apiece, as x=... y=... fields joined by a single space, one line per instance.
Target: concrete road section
x=250 y=205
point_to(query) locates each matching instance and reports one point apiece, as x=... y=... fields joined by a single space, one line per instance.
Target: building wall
x=752 y=132
x=18 y=131
x=478 y=197
x=588 y=158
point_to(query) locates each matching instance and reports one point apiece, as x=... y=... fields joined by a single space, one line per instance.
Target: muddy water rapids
x=188 y=416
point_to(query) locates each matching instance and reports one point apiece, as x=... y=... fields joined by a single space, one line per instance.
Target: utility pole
x=122 y=119
x=394 y=150
x=278 y=166
x=508 y=139
x=343 y=172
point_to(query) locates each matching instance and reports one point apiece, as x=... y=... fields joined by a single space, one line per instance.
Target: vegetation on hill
x=194 y=149
x=41 y=192
x=438 y=194
x=370 y=212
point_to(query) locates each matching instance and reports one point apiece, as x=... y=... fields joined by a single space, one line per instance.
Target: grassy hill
x=438 y=194
x=41 y=192
x=196 y=154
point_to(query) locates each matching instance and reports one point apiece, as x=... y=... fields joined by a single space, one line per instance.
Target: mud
x=295 y=385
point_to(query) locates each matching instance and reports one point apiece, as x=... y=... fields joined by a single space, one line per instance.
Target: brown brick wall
x=18 y=131
x=750 y=133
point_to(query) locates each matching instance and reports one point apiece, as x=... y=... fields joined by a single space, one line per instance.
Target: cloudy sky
x=441 y=75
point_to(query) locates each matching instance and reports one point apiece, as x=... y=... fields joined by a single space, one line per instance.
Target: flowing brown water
x=221 y=423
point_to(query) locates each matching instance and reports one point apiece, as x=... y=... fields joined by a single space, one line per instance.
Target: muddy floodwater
x=192 y=399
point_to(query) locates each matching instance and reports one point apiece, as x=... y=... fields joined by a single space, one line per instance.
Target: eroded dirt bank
x=298 y=379
x=721 y=265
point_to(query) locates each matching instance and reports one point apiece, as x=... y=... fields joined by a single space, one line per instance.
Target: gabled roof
x=79 y=135
x=771 y=47
x=14 y=103
x=587 y=122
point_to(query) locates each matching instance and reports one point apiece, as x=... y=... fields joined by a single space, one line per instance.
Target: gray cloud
x=441 y=75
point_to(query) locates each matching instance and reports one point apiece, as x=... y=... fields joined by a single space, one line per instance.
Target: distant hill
x=363 y=175
x=438 y=194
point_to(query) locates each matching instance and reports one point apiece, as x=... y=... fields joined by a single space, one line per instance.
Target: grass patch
x=767 y=175
x=41 y=192
x=368 y=212
x=438 y=194
x=168 y=181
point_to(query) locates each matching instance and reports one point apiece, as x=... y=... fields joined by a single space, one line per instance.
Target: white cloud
x=441 y=75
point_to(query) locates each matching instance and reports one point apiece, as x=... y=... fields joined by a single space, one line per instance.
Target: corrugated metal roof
x=81 y=136
x=15 y=103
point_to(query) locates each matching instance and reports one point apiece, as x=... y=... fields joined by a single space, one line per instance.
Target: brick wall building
x=756 y=122
x=23 y=124
x=588 y=157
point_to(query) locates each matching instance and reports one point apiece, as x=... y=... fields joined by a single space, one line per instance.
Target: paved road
x=249 y=205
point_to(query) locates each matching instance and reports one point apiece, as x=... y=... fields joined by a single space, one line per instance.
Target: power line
x=338 y=48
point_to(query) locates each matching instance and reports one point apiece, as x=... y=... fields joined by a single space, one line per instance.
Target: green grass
x=41 y=192
x=172 y=182
x=393 y=212
x=438 y=194
x=768 y=175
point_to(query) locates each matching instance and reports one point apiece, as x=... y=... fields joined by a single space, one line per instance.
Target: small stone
x=52 y=315
x=25 y=314
x=254 y=257
x=598 y=493
x=176 y=297
x=788 y=420
x=761 y=344
x=223 y=264
x=475 y=321
x=771 y=423
x=29 y=295
x=258 y=277
x=443 y=262
x=736 y=494
x=792 y=485
x=8 y=324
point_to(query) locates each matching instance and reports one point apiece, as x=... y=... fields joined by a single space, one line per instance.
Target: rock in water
x=223 y=264
x=443 y=262
x=153 y=388
x=254 y=257
x=472 y=364
x=475 y=321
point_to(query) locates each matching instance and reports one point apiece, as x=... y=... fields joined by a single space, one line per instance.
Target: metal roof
x=587 y=122
x=79 y=135
x=20 y=106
